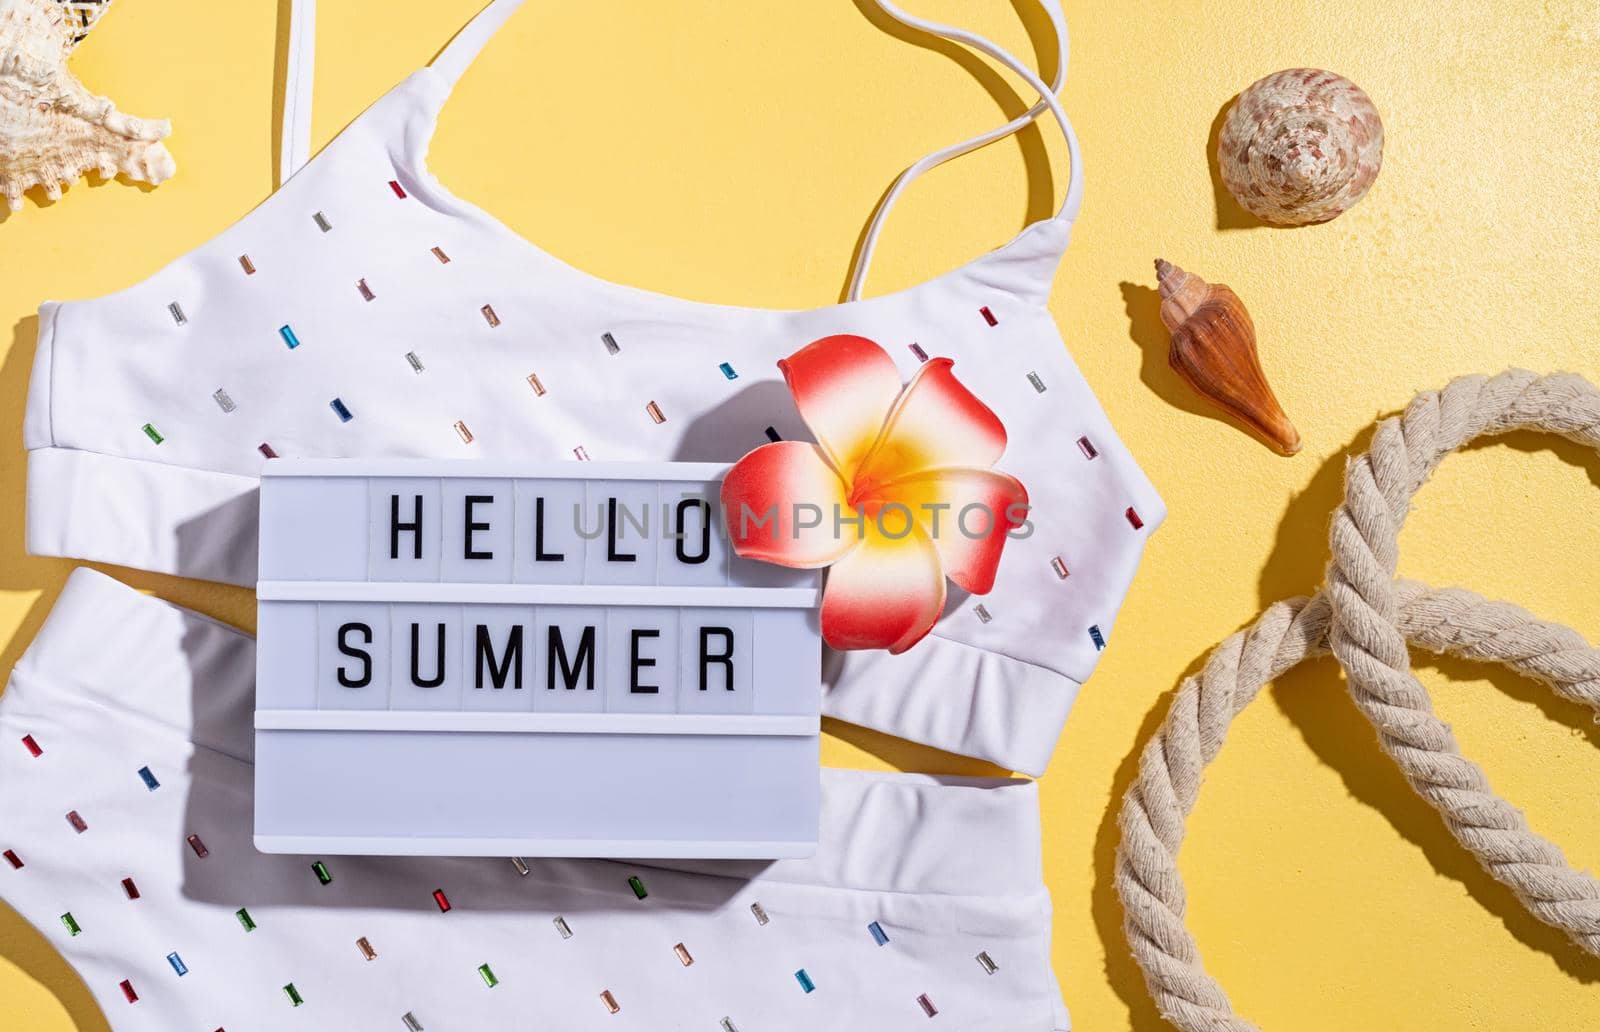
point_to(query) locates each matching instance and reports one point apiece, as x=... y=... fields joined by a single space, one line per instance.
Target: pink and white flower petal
x=936 y=423
x=967 y=513
x=886 y=593
x=779 y=503
x=844 y=387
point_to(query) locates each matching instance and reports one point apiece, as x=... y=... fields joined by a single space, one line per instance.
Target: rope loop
x=1366 y=617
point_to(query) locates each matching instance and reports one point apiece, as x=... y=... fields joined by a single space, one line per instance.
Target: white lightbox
x=527 y=659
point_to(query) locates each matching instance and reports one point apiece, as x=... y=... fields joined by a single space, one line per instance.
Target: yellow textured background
x=732 y=152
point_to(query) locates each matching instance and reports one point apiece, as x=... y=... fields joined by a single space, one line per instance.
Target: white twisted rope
x=1365 y=617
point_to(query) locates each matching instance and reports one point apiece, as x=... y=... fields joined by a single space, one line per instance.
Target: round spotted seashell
x=1300 y=146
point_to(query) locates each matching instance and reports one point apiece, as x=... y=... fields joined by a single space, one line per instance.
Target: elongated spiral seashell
x=1214 y=350
x=52 y=130
x=1300 y=146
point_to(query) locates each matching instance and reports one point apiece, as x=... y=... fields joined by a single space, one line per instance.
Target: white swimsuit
x=125 y=838
x=362 y=310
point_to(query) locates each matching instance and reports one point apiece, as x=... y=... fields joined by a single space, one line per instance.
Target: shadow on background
x=18 y=570
x=1314 y=698
x=280 y=85
x=23 y=945
x=1122 y=973
x=90 y=180
x=1230 y=213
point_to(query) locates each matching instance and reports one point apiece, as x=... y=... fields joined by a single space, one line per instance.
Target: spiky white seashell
x=52 y=130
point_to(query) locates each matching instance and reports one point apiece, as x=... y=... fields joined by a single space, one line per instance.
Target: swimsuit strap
x=458 y=55
x=294 y=138
x=1047 y=100
x=461 y=51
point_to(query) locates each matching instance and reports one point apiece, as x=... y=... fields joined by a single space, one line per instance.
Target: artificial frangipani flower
x=897 y=494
